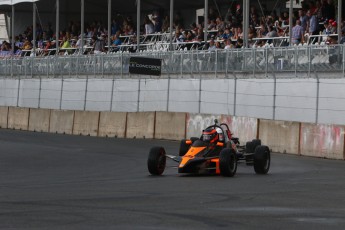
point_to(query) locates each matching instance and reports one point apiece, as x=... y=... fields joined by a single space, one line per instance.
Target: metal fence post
x=181 y=64
x=216 y=65
x=200 y=94
x=309 y=60
x=86 y=88
x=235 y=93
x=226 y=63
x=18 y=91
x=266 y=57
x=39 y=93
x=112 y=94
x=343 y=61
x=274 y=95
x=138 y=105
x=317 y=98
x=168 y=94
x=61 y=93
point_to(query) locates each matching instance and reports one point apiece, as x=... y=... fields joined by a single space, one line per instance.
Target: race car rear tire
x=250 y=148
x=156 y=161
x=227 y=162
x=251 y=145
x=262 y=159
x=183 y=148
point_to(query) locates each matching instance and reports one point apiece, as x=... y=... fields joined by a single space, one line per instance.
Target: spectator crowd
x=315 y=22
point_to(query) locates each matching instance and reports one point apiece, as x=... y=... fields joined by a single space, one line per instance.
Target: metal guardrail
x=263 y=60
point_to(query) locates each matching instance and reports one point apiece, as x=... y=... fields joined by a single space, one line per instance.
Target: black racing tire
x=262 y=159
x=156 y=161
x=183 y=148
x=256 y=142
x=227 y=162
x=251 y=145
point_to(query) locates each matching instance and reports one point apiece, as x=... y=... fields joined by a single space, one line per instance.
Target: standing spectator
x=149 y=28
x=99 y=45
x=303 y=19
x=328 y=10
x=297 y=33
x=166 y=24
x=313 y=24
x=157 y=20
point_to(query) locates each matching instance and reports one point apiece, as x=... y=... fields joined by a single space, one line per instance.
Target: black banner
x=145 y=66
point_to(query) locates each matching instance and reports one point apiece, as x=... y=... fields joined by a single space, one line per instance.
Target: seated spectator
x=212 y=45
x=239 y=43
x=272 y=33
x=227 y=34
x=65 y=45
x=327 y=28
x=190 y=36
x=228 y=44
x=27 y=45
x=47 y=48
x=116 y=43
x=342 y=40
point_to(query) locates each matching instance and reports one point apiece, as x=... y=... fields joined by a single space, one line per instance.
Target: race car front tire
x=262 y=159
x=227 y=162
x=156 y=161
x=183 y=148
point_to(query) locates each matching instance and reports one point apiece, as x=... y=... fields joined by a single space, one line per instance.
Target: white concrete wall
x=295 y=98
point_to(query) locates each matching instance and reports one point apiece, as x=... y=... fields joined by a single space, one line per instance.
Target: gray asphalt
x=50 y=181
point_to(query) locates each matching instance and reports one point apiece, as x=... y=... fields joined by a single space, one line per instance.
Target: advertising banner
x=145 y=66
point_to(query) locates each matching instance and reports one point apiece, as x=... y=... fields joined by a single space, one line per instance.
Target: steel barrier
x=264 y=60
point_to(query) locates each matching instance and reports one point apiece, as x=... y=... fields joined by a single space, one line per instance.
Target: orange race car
x=215 y=152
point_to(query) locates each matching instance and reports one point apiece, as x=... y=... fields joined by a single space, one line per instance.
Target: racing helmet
x=220 y=134
x=210 y=135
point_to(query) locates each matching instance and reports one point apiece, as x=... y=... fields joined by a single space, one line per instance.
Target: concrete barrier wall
x=170 y=126
x=18 y=118
x=280 y=136
x=112 y=124
x=245 y=128
x=61 y=121
x=325 y=141
x=322 y=141
x=86 y=123
x=39 y=120
x=140 y=125
x=197 y=122
x=3 y=117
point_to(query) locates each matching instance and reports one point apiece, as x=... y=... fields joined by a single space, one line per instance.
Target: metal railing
x=263 y=60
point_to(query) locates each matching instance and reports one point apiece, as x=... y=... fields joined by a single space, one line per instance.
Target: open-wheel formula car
x=215 y=152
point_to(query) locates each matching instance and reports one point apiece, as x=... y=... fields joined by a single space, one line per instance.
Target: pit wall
x=316 y=140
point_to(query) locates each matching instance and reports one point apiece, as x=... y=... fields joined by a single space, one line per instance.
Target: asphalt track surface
x=50 y=181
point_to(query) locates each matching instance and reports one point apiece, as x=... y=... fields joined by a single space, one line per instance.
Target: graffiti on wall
x=322 y=141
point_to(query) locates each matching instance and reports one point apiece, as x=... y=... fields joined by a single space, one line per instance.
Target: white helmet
x=220 y=134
